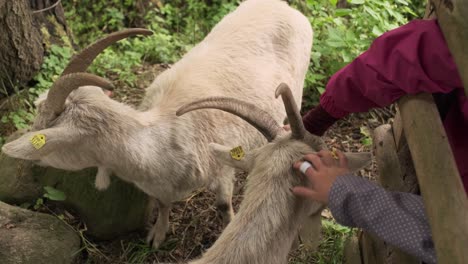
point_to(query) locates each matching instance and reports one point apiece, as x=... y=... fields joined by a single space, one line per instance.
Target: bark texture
x=439 y=180
x=29 y=35
x=21 y=52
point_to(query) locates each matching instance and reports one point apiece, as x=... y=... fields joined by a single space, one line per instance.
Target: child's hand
x=321 y=176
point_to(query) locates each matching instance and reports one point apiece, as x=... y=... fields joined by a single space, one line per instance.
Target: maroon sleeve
x=410 y=59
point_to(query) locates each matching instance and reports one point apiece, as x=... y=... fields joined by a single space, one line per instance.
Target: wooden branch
x=47 y=8
x=441 y=187
x=453 y=19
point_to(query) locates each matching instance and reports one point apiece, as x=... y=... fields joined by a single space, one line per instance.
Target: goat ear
x=225 y=156
x=357 y=161
x=37 y=144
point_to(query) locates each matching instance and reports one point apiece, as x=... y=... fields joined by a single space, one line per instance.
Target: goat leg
x=157 y=234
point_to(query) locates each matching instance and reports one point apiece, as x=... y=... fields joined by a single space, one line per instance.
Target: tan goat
x=261 y=43
x=270 y=216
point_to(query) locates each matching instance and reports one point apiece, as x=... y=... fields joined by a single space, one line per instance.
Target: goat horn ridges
x=59 y=92
x=66 y=84
x=81 y=61
x=255 y=116
x=294 y=116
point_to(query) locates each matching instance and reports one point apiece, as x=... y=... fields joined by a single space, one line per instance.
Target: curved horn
x=81 y=61
x=294 y=116
x=255 y=116
x=60 y=90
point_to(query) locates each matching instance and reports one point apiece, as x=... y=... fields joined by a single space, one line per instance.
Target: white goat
x=270 y=215
x=262 y=43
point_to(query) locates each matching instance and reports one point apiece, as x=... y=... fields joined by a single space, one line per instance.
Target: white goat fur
x=245 y=56
x=269 y=216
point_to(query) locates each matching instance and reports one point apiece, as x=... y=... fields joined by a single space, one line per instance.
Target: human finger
x=314 y=160
x=327 y=157
x=305 y=167
x=343 y=161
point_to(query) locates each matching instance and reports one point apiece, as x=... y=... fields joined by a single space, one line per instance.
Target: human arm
x=397 y=218
x=410 y=59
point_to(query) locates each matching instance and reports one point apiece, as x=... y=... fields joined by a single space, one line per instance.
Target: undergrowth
x=330 y=249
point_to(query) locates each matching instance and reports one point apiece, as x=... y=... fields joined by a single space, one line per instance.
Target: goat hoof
x=155 y=239
x=150 y=237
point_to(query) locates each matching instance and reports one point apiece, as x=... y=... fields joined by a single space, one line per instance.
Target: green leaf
x=402 y=2
x=366 y=141
x=54 y=194
x=356 y=2
x=342 y=12
x=39 y=203
x=377 y=31
x=346 y=56
x=333 y=2
x=334 y=38
x=365 y=131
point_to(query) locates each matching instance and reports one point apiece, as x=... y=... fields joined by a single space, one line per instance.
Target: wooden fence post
x=453 y=20
x=439 y=180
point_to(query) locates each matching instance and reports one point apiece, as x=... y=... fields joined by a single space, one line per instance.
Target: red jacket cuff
x=317 y=121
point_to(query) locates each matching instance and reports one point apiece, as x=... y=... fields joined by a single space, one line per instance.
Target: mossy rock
x=107 y=214
x=17 y=184
x=118 y=210
x=31 y=237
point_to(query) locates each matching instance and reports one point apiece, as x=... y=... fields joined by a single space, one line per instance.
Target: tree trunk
x=51 y=22
x=342 y=4
x=21 y=51
x=30 y=32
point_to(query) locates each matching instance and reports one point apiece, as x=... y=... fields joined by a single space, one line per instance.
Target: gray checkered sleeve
x=397 y=218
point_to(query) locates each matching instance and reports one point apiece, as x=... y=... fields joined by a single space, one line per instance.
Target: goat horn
x=294 y=116
x=255 y=116
x=81 y=61
x=61 y=88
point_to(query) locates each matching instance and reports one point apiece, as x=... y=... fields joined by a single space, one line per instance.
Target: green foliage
x=50 y=193
x=53 y=65
x=340 y=35
x=177 y=25
x=20 y=118
x=54 y=194
x=367 y=139
x=55 y=61
x=332 y=245
x=330 y=249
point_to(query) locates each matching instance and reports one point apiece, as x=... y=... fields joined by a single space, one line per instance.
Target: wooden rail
x=439 y=180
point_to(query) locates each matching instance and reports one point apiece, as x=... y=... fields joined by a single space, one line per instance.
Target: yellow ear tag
x=38 y=141
x=237 y=153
